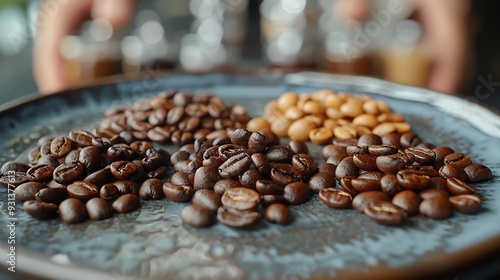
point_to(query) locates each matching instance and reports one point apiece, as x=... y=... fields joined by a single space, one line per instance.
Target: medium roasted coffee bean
x=178 y=156
x=205 y=178
x=270 y=199
x=367 y=140
x=452 y=171
x=365 y=185
x=119 y=152
x=69 y=172
x=459 y=159
x=346 y=168
x=91 y=158
x=72 y=156
x=360 y=201
x=178 y=193
x=345 y=184
x=151 y=189
x=428 y=193
x=333 y=150
x=250 y=178
x=83 y=190
x=299 y=147
x=321 y=180
x=98 y=209
x=189 y=124
x=182 y=166
x=180 y=178
x=213 y=162
x=101 y=143
x=100 y=177
x=207 y=199
x=335 y=198
x=413 y=179
x=53 y=184
x=224 y=185
x=61 y=146
x=40 y=210
x=268 y=187
x=279 y=154
x=279 y=214
x=48 y=160
x=141 y=147
x=477 y=173
x=81 y=137
x=237 y=219
x=382 y=150
x=436 y=208
x=72 y=211
x=34 y=156
x=284 y=174
x=13 y=166
x=441 y=152
x=160 y=134
x=159 y=173
x=458 y=187
x=257 y=143
x=385 y=213
x=304 y=164
x=328 y=168
x=365 y=161
x=198 y=216
x=242 y=136
x=422 y=156
x=109 y=192
x=219 y=141
x=235 y=166
x=127 y=186
x=466 y=203
x=28 y=190
x=389 y=185
x=40 y=173
x=408 y=201
x=45 y=150
x=296 y=193
x=439 y=183
x=52 y=195
x=352 y=150
x=409 y=139
x=213 y=152
x=261 y=163
x=242 y=199
x=175 y=115
x=126 y=203
x=335 y=160
x=372 y=175
x=390 y=163
x=123 y=169
x=426 y=169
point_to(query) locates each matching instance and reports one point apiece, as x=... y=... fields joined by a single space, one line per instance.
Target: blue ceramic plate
x=153 y=243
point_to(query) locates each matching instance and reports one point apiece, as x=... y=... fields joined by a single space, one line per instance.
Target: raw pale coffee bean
x=198 y=216
x=360 y=201
x=98 y=209
x=296 y=193
x=72 y=211
x=237 y=219
x=178 y=193
x=321 y=180
x=413 y=179
x=477 y=173
x=28 y=190
x=241 y=199
x=52 y=195
x=279 y=214
x=408 y=201
x=151 y=189
x=83 y=191
x=207 y=199
x=458 y=187
x=335 y=198
x=436 y=208
x=126 y=203
x=385 y=213
x=466 y=203
x=40 y=210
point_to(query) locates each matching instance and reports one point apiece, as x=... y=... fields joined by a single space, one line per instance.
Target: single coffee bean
x=441 y=152
x=230 y=150
x=428 y=193
x=40 y=210
x=423 y=156
x=109 y=192
x=328 y=168
x=45 y=150
x=408 y=201
x=304 y=164
x=241 y=137
x=123 y=169
x=284 y=174
x=91 y=158
x=261 y=163
x=296 y=193
x=198 y=216
x=151 y=189
x=452 y=171
x=72 y=156
x=345 y=185
x=333 y=150
x=409 y=139
x=321 y=135
x=250 y=178
x=365 y=161
x=14 y=179
x=268 y=187
x=126 y=203
x=34 y=155
x=52 y=195
x=223 y=185
x=426 y=169
x=459 y=159
x=48 y=160
x=119 y=152
x=182 y=166
x=392 y=139
x=299 y=147
x=367 y=140
x=242 y=199
x=28 y=190
x=141 y=147
x=439 y=183
x=390 y=163
x=101 y=143
x=360 y=201
x=207 y=199
x=321 y=180
x=385 y=213
x=477 y=173
x=413 y=179
x=98 y=209
x=100 y=177
x=237 y=219
x=40 y=173
x=72 y=211
x=371 y=175
x=365 y=185
x=382 y=150
x=466 y=203
x=389 y=185
x=458 y=187
x=352 y=150
x=346 y=168
x=279 y=154
x=279 y=214
x=335 y=160
x=69 y=172
x=81 y=137
x=205 y=178
x=178 y=193
x=335 y=198
x=270 y=199
x=272 y=138
x=178 y=156
x=436 y=208
x=180 y=178
x=83 y=190
x=235 y=166
x=54 y=185
x=13 y=166
x=127 y=186
x=61 y=146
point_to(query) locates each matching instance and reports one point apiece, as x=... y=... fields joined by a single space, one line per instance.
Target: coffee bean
x=180 y=137
x=81 y=137
x=237 y=219
x=126 y=203
x=83 y=190
x=182 y=166
x=335 y=160
x=55 y=185
x=436 y=208
x=151 y=189
x=365 y=161
x=272 y=138
x=235 y=166
x=367 y=140
x=198 y=216
x=270 y=199
x=459 y=159
x=40 y=173
x=91 y=158
x=389 y=185
x=98 y=209
x=268 y=187
x=360 y=201
x=152 y=160
x=392 y=139
x=242 y=137
x=382 y=150
x=178 y=156
x=296 y=193
x=250 y=178
x=72 y=156
x=13 y=180
x=101 y=143
x=426 y=169
x=72 y=211
x=279 y=214
x=40 y=210
x=409 y=139
x=413 y=179
x=423 y=156
x=458 y=187
x=242 y=199
x=390 y=163
x=52 y=195
x=346 y=168
x=28 y=190
x=452 y=171
x=335 y=198
x=321 y=180
x=48 y=160
x=439 y=183
x=477 y=173
x=328 y=168
x=180 y=178
x=205 y=178
x=279 y=154
x=109 y=192
x=345 y=185
x=299 y=147
x=371 y=175
x=207 y=199
x=466 y=203
x=178 y=193
x=123 y=169
x=304 y=164
x=428 y=193
x=385 y=213
x=441 y=152
x=284 y=174
x=100 y=177
x=261 y=163
x=13 y=166
x=34 y=156
x=119 y=152
x=365 y=185
x=224 y=185
x=61 y=146
x=127 y=186
x=352 y=150
x=408 y=201
x=333 y=150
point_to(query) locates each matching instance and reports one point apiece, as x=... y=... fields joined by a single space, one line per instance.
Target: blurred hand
x=49 y=65
x=446 y=26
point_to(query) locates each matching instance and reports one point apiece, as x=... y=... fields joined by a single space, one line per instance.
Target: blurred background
x=222 y=35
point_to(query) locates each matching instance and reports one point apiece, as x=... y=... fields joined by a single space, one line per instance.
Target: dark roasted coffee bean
x=304 y=164
x=321 y=180
x=413 y=179
x=81 y=137
x=100 y=177
x=152 y=160
x=299 y=147
x=198 y=216
x=45 y=150
x=230 y=150
x=352 y=150
x=436 y=208
x=466 y=203
x=182 y=98
x=98 y=209
x=119 y=152
x=345 y=142
x=49 y=160
x=123 y=169
x=270 y=199
x=141 y=147
x=328 y=168
x=428 y=193
x=13 y=179
x=279 y=214
x=205 y=178
x=441 y=152
x=426 y=145
x=241 y=137
x=213 y=152
x=372 y=175
x=182 y=166
x=452 y=171
x=126 y=203
x=422 y=156
x=83 y=190
x=261 y=164
x=216 y=133
x=101 y=143
x=53 y=184
x=242 y=199
x=175 y=115
x=335 y=160
x=13 y=166
x=459 y=159
x=91 y=158
x=219 y=141
x=180 y=178
x=335 y=198
x=72 y=156
x=180 y=137
x=409 y=139
x=127 y=136
x=362 y=200
x=207 y=199
x=268 y=187
x=365 y=185
x=279 y=154
x=159 y=173
x=272 y=138
x=189 y=124
x=109 y=192
x=346 y=168
x=439 y=183
x=28 y=190
x=333 y=150
x=221 y=186
x=178 y=193
x=477 y=173
x=284 y=174
x=34 y=156
x=178 y=156
x=296 y=193
x=61 y=146
x=426 y=169
x=257 y=143
x=237 y=219
x=40 y=173
x=367 y=140
x=389 y=184
x=72 y=211
x=392 y=139
x=365 y=161
x=390 y=164
x=385 y=213
x=40 y=210
x=52 y=195
x=69 y=172
x=382 y=150
x=127 y=186
x=408 y=201
x=249 y=178
x=458 y=187
x=151 y=189
x=345 y=185
x=235 y=166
